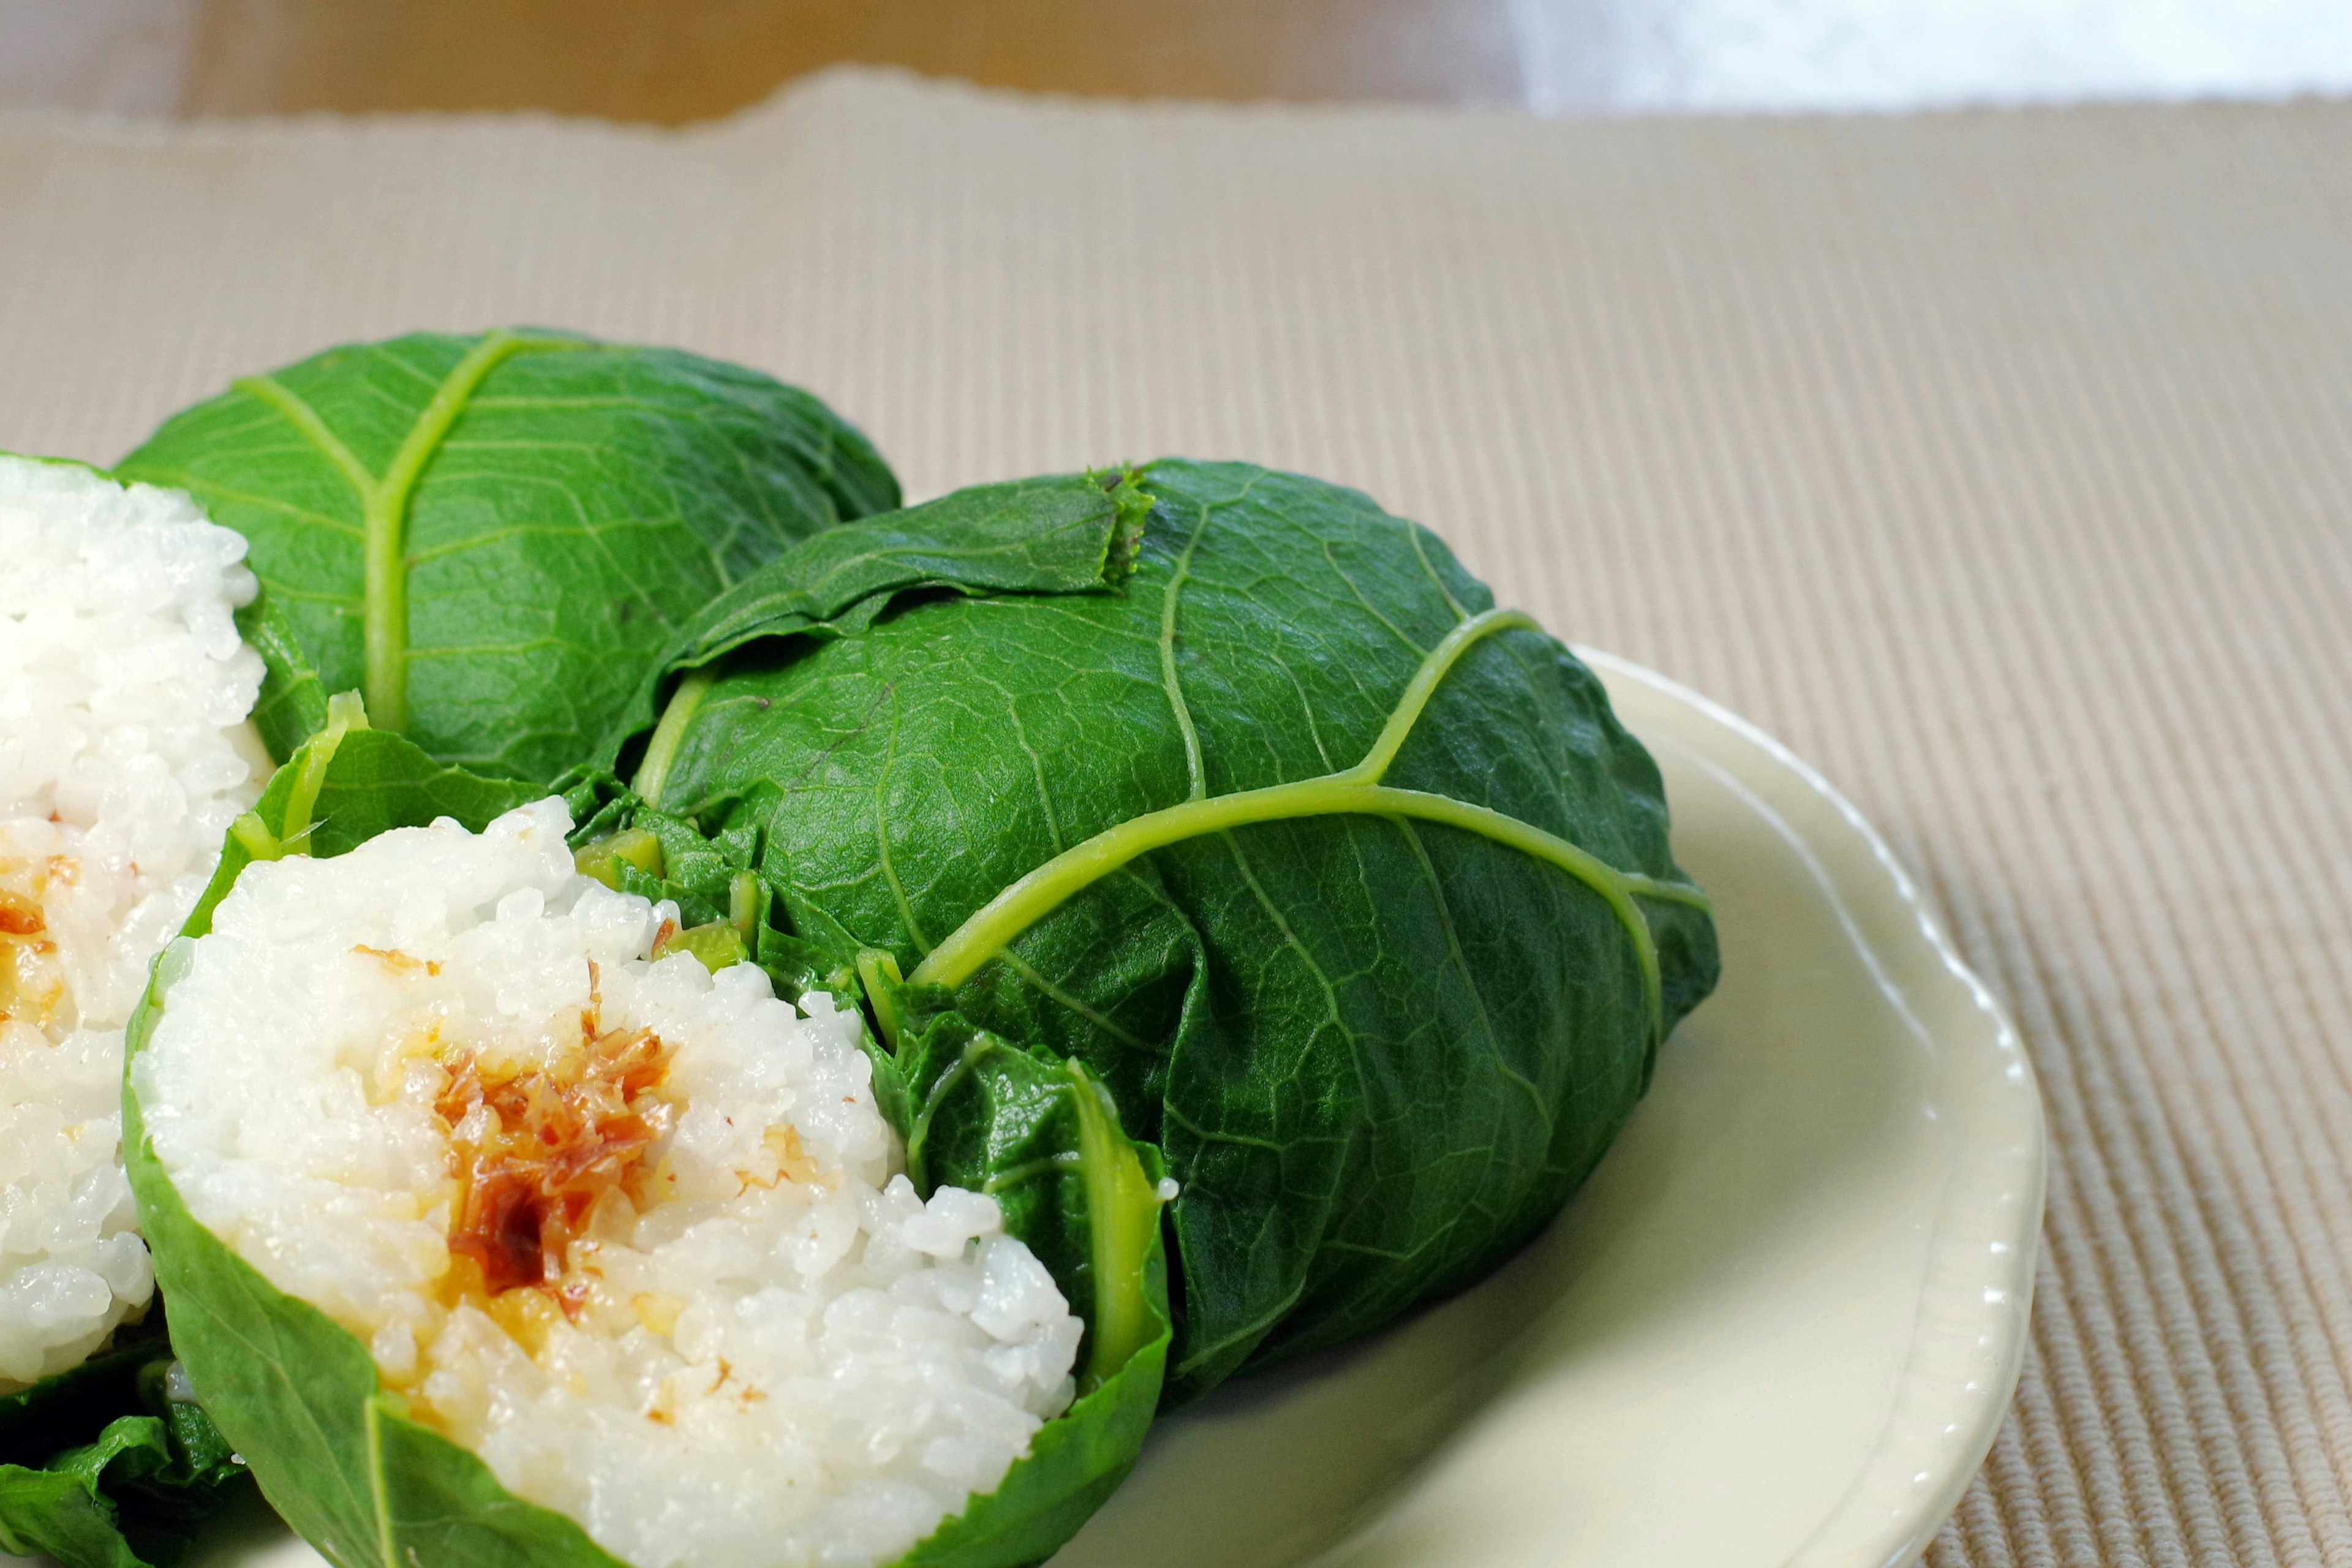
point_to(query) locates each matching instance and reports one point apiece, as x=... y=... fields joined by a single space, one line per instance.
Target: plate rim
x=1893 y=1509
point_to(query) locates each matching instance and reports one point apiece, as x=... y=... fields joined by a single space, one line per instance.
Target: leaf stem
x=383 y=510
x=1434 y=668
x=345 y=712
x=1030 y=899
x=378 y=1484
x=1355 y=791
x=1122 y=1221
x=653 y=773
x=1194 y=769
x=305 y=419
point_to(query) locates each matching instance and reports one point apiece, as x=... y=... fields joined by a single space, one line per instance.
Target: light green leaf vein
x=384 y=501
x=1353 y=791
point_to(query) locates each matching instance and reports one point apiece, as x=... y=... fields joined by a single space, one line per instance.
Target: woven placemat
x=2001 y=463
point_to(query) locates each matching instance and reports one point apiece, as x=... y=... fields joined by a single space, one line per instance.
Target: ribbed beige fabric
x=2000 y=463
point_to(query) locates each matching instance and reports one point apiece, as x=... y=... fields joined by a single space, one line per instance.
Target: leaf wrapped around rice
x=360 y=1462
x=114 y=1464
x=491 y=537
x=1239 y=790
x=125 y=752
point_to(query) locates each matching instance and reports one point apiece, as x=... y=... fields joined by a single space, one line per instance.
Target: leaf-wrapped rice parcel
x=506 y=1218
x=1238 y=790
x=491 y=537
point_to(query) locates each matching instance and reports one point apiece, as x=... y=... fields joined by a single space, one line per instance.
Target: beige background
x=2000 y=463
x=676 y=61
x=660 y=60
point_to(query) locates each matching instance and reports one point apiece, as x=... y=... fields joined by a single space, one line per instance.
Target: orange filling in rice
x=32 y=983
x=539 y=1148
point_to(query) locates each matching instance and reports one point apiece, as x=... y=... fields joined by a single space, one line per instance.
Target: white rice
x=124 y=755
x=776 y=1353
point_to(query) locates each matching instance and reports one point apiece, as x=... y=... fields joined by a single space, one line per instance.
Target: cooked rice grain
x=125 y=755
x=631 y=1231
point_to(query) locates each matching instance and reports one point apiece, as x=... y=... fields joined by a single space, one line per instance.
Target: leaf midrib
x=385 y=501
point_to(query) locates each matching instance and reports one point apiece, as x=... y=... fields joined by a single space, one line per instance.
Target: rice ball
x=124 y=755
x=633 y=1231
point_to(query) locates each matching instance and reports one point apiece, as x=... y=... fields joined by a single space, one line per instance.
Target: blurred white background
x=1584 y=54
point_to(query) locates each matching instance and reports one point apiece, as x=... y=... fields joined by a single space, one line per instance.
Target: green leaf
x=1060 y=535
x=298 y=1394
x=336 y=1454
x=373 y=781
x=1038 y=1132
x=292 y=704
x=1068 y=534
x=63 y=1509
x=97 y=1465
x=132 y=1493
x=1351 y=889
x=70 y=1407
x=494 y=537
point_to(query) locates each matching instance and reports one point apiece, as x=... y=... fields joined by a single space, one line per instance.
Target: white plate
x=1776 y=1329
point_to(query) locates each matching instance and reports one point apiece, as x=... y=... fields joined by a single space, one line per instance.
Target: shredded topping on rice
x=537 y=1148
x=633 y=1231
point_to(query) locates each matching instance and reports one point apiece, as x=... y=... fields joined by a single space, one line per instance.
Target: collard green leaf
x=70 y=1407
x=298 y=1396
x=98 y=1465
x=344 y=786
x=64 y=1509
x=336 y=1454
x=1351 y=887
x=1033 y=536
x=1038 y=1132
x=295 y=1392
x=94 y=1488
x=1068 y=534
x=493 y=537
